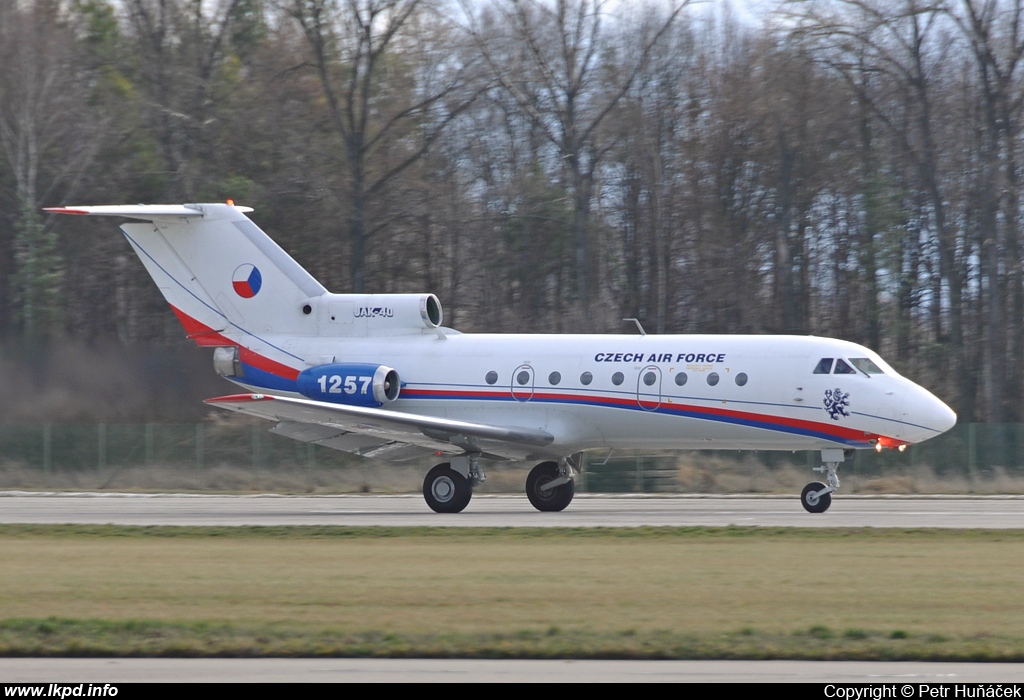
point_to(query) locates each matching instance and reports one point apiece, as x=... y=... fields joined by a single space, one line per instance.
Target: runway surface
x=99 y=671
x=959 y=512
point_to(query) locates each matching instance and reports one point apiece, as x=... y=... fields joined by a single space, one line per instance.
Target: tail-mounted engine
x=374 y=314
x=354 y=384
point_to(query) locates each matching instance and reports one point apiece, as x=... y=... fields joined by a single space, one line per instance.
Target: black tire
x=445 y=490
x=820 y=504
x=552 y=500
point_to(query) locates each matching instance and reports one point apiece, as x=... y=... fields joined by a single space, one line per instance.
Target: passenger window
x=824 y=366
x=843 y=368
x=554 y=378
x=523 y=377
x=713 y=378
x=491 y=377
x=681 y=379
x=741 y=379
x=650 y=378
x=586 y=378
x=618 y=378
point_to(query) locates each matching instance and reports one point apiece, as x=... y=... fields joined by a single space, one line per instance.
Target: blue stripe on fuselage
x=265 y=380
x=766 y=423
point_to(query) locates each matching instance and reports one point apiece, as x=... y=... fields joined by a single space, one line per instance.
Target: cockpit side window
x=843 y=368
x=865 y=365
x=824 y=366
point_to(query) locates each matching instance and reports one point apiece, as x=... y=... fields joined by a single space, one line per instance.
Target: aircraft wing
x=382 y=433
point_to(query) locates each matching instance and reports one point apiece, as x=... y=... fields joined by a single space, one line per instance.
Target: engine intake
x=355 y=384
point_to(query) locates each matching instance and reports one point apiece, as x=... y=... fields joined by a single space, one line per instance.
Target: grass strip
x=643 y=593
x=307 y=532
x=133 y=638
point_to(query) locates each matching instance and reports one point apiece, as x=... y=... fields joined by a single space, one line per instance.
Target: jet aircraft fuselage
x=380 y=376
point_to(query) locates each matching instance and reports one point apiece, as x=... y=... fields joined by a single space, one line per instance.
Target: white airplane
x=379 y=376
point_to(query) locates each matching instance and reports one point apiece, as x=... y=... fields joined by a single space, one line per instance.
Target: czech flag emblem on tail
x=247 y=281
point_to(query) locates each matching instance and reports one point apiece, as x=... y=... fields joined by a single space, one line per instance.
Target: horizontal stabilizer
x=144 y=212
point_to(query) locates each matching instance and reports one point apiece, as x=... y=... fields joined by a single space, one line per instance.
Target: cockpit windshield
x=831 y=365
x=843 y=368
x=865 y=365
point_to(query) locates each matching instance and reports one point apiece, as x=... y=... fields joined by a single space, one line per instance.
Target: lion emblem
x=836 y=403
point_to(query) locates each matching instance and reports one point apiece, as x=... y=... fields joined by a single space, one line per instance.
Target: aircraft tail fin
x=217 y=269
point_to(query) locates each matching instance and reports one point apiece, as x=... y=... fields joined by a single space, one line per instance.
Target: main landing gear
x=448 y=487
x=816 y=496
x=551 y=486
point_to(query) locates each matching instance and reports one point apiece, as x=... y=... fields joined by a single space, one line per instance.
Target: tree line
x=848 y=168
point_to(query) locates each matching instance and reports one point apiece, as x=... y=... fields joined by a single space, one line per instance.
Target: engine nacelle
x=374 y=314
x=355 y=384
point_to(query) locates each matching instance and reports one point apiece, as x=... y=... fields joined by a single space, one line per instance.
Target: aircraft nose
x=928 y=413
x=945 y=417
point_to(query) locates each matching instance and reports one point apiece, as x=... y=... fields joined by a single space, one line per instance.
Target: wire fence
x=81 y=447
x=970 y=455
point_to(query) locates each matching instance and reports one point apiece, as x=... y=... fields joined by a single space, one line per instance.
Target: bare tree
x=46 y=142
x=994 y=30
x=893 y=56
x=180 y=46
x=551 y=59
x=390 y=92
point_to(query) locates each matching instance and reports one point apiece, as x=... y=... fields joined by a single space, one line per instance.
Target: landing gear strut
x=448 y=487
x=550 y=486
x=816 y=496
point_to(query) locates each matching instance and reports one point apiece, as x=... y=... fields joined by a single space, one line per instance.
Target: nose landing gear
x=816 y=496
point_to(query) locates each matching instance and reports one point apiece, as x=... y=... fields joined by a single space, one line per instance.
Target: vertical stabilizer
x=222 y=275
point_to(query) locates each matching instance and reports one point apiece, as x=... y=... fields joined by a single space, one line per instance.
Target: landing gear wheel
x=445 y=490
x=813 y=503
x=548 y=500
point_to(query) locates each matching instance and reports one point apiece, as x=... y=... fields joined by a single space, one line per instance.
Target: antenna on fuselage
x=638 y=326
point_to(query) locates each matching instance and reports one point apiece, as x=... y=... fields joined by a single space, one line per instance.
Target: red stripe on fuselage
x=206 y=336
x=797 y=423
x=266 y=364
x=200 y=332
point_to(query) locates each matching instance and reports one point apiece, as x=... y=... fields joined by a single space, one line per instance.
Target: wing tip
x=239 y=398
x=77 y=211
